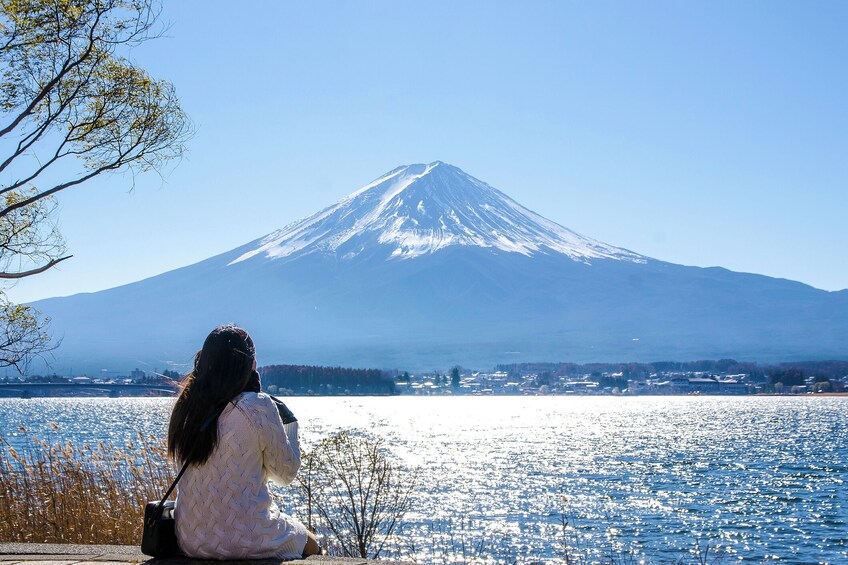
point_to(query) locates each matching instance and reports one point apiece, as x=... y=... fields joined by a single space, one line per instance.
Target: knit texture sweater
x=224 y=509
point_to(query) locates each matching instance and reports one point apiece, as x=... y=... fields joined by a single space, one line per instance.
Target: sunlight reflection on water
x=749 y=477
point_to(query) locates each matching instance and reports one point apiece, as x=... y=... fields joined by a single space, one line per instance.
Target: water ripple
x=660 y=478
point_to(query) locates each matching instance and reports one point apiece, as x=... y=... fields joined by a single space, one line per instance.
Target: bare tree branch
x=359 y=499
x=73 y=108
x=20 y=275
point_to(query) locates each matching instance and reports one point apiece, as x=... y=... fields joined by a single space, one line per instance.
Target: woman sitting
x=224 y=509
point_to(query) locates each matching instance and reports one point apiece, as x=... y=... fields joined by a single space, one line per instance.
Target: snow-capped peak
x=418 y=209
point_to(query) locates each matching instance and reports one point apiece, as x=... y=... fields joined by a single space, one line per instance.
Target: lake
x=750 y=479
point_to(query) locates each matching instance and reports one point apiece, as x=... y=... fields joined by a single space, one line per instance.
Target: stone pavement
x=68 y=554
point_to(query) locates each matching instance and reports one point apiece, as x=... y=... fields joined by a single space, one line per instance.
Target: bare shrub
x=354 y=494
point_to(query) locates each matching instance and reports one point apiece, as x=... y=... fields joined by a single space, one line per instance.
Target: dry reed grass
x=67 y=493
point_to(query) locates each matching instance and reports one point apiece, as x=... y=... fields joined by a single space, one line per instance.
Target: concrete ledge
x=69 y=554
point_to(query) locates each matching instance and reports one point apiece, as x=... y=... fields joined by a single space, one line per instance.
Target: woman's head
x=222 y=369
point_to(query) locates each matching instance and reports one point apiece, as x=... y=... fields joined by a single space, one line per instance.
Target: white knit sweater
x=224 y=509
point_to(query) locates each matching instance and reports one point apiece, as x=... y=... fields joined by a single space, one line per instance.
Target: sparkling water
x=618 y=479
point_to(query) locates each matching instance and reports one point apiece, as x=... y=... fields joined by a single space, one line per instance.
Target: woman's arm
x=279 y=443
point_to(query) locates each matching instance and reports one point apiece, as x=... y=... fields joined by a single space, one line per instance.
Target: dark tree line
x=629 y=370
x=787 y=377
x=821 y=370
x=789 y=374
x=303 y=379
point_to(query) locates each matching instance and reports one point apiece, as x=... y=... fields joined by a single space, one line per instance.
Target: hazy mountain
x=428 y=266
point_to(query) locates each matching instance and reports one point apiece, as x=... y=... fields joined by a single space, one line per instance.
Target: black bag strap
x=157 y=513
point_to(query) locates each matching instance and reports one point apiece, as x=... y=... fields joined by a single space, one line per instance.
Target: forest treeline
x=305 y=379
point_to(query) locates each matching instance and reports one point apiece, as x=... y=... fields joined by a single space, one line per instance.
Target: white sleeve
x=280 y=444
x=291 y=433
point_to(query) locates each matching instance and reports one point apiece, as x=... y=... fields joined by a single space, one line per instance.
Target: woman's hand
x=285 y=414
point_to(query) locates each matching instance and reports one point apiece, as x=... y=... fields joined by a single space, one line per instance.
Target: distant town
x=722 y=377
x=725 y=377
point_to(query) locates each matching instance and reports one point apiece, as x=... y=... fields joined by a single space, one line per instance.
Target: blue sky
x=701 y=133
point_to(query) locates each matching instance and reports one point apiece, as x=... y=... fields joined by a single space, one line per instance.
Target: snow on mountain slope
x=420 y=209
x=428 y=267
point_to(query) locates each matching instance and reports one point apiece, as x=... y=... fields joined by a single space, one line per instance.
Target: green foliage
x=169 y=374
x=787 y=377
x=28 y=235
x=454 y=377
x=21 y=333
x=543 y=379
x=71 y=108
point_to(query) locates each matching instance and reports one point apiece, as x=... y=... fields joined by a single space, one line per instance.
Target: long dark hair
x=221 y=371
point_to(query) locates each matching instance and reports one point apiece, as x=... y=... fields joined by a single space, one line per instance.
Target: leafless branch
x=71 y=108
x=353 y=487
x=19 y=275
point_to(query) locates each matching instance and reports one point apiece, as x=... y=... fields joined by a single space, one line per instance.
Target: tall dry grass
x=86 y=494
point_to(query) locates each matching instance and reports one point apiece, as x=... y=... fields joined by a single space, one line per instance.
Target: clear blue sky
x=702 y=133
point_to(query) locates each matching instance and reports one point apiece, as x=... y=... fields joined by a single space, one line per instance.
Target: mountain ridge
x=498 y=284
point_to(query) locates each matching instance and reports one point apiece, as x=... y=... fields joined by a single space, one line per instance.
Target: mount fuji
x=427 y=267
x=420 y=209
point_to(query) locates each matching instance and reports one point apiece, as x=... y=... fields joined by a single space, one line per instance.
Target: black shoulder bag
x=159 y=537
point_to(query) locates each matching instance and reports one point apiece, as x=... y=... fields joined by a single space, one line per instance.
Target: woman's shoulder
x=247 y=398
x=255 y=404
